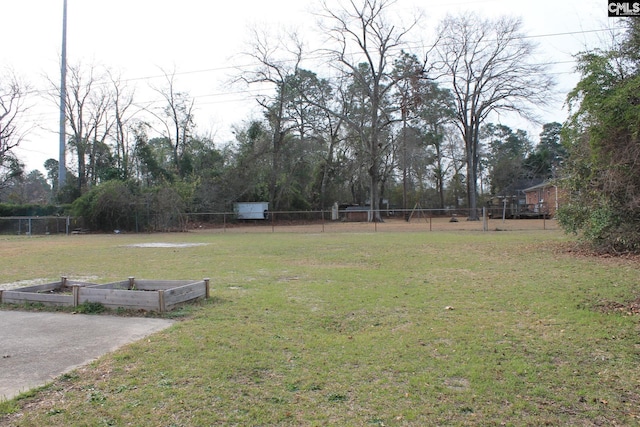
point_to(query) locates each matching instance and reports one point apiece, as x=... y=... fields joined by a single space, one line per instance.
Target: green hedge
x=7 y=209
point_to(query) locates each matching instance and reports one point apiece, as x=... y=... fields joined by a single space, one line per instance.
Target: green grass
x=393 y=329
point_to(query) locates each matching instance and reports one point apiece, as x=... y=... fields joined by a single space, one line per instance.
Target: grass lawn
x=352 y=329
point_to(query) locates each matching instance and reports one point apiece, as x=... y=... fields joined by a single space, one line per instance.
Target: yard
x=389 y=328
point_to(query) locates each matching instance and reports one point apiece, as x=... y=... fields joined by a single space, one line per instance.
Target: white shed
x=251 y=210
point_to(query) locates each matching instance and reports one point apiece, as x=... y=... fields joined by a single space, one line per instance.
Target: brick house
x=544 y=198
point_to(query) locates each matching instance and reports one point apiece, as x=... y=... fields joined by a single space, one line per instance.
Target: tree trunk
x=440 y=171
x=81 y=151
x=325 y=173
x=440 y=187
x=471 y=143
x=374 y=170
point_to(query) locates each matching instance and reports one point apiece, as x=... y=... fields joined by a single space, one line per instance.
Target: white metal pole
x=62 y=170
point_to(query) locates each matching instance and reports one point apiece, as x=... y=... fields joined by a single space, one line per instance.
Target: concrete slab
x=37 y=347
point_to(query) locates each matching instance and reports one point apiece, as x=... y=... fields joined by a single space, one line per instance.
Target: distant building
x=357 y=213
x=544 y=198
x=251 y=210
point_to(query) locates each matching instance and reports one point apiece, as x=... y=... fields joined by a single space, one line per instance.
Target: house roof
x=544 y=184
x=518 y=186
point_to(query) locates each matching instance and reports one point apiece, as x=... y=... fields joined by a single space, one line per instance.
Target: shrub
x=109 y=206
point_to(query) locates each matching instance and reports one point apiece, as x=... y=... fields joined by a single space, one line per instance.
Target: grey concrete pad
x=37 y=347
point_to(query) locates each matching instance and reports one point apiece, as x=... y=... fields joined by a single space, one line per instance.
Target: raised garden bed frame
x=131 y=294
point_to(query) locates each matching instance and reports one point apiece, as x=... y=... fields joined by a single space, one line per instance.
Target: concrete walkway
x=35 y=348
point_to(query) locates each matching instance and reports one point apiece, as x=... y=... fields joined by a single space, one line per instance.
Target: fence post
x=161 y=301
x=485 y=224
x=76 y=295
x=207 y=291
x=132 y=282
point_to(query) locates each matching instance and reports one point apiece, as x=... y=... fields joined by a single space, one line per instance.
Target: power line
x=240 y=67
x=252 y=93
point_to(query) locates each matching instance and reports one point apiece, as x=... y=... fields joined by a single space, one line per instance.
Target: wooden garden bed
x=131 y=294
x=60 y=293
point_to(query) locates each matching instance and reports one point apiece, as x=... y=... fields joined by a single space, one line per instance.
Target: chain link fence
x=337 y=220
x=359 y=220
x=41 y=225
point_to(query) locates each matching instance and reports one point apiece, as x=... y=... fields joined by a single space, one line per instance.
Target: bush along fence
x=148 y=295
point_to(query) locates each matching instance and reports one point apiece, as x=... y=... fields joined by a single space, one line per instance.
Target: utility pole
x=62 y=170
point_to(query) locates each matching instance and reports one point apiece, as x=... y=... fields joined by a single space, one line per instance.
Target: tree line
x=366 y=118
x=602 y=137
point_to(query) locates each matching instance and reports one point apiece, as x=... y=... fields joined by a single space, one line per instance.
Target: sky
x=202 y=42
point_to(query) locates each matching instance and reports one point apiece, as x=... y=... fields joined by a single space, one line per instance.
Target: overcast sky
x=201 y=41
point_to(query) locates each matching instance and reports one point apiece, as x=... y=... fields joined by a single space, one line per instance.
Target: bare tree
x=13 y=94
x=88 y=104
x=487 y=65
x=177 y=117
x=122 y=102
x=366 y=45
x=277 y=64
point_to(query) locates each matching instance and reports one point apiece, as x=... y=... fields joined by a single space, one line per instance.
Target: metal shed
x=251 y=210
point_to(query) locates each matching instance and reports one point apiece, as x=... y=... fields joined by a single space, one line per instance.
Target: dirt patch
x=631 y=308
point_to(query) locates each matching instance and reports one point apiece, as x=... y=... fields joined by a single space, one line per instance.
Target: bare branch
x=13 y=106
